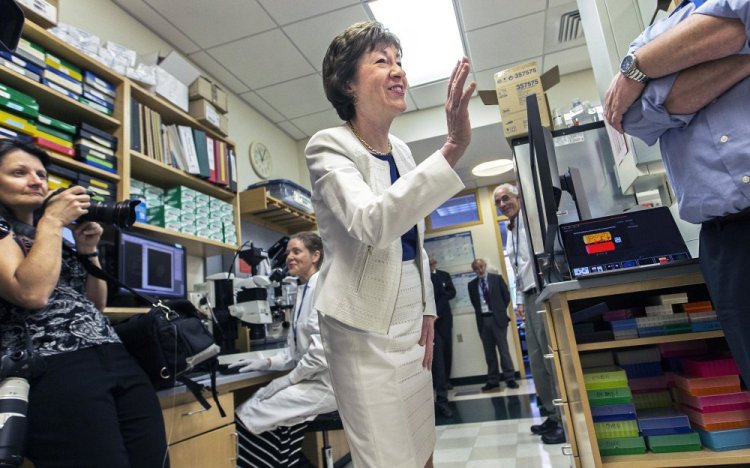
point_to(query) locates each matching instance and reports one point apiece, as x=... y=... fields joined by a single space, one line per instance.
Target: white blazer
x=361 y=218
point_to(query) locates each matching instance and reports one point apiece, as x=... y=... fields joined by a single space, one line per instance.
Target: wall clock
x=260 y=159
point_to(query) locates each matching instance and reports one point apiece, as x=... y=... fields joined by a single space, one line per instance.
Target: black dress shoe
x=491 y=388
x=556 y=436
x=547 y=426
x=444 y=409
x=511 y=384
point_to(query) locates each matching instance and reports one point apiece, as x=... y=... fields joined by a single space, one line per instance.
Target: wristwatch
x=629 y=68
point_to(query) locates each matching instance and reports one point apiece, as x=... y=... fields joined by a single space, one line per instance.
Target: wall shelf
x=259 y=207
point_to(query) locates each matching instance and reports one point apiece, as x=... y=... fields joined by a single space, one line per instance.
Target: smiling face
x=23 y=182
x=300 y=261
x=507 y=202
x=380 y=83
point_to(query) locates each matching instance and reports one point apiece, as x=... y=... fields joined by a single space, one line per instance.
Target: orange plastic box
x=699 y=386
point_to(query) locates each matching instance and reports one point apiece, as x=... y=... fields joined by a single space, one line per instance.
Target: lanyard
x=296 y=315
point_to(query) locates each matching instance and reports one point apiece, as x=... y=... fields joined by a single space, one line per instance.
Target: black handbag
x=168 y=341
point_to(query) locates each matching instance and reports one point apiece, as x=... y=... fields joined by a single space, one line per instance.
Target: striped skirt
x=280 y=447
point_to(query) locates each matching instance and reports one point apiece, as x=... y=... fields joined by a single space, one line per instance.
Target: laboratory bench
x=200 y=437
x=558 y=301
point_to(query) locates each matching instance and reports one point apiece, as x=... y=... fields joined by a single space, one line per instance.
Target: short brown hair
x=340 y=61
x=312 y=242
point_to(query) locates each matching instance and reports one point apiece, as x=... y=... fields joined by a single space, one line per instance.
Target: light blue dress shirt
x=707 y=154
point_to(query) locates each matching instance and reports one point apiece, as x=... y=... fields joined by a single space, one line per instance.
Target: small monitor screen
x=634 y=239
x=151 y=267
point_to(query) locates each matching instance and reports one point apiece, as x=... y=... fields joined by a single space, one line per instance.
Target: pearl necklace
x=366 y=145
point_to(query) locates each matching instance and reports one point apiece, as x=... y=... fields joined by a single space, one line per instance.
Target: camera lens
x=120 y=214
x=14 y=401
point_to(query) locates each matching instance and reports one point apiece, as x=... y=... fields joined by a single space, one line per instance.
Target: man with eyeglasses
x=517 y=249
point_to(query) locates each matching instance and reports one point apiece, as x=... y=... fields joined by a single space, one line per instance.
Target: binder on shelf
x=98 y=83
x=210 y=145
x=17 y=123
x=89 y=180
x=188 y=145
x=45 y=143
x=17 y=107
x=61 y=171
x=177 y=151
x=92 y=145
x=54 y=132
x=83 y=151
x=86 y=130
x=20 y=70
x=63 y=66
x=232 y=171
x=26 y=64
x=87 y=88
x=222 y=163
x=32 y=52
x=97 y=100
x=58 y=124
x=135 y=126
x=65 y=92
x=199 y=138
x=63 y=80
x=65 y=142
x=96 y=106
x=100 y=164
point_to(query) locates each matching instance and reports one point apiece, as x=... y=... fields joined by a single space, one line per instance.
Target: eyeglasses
x=504 y=199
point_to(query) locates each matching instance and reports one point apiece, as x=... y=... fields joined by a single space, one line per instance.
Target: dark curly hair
x=340 y=61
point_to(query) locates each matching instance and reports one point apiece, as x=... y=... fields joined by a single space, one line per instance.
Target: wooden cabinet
x=560 y=302
x=200 y=437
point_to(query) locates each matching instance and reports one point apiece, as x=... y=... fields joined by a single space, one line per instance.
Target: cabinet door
x=190 y=419
x=215 y=449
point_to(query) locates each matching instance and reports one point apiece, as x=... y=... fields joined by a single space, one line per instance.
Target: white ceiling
x=269 y=53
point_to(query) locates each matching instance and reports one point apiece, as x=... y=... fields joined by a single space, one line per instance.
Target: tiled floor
x=491 y=430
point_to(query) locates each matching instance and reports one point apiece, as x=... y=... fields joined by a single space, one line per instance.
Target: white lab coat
x=311 y=393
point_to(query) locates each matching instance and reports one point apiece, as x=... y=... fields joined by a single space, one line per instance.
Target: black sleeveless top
x=69 y=321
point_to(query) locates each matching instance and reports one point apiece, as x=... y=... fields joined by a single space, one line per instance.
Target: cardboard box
x=512 y=86
x=172 y=89
x=219 y=99
x=205 y=112
x=202 y=88
x=224 y=124
x=41 y=12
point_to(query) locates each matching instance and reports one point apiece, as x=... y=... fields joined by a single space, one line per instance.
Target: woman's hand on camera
x=457 y=113
x=68 y=205
x=87 y=236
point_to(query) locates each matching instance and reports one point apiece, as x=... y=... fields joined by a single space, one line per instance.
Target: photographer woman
x=92 y=406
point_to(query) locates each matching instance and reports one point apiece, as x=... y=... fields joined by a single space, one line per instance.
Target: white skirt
x=383 y=393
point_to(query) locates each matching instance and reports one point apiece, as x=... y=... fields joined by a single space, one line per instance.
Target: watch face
x=260 y=159
x=627 y=64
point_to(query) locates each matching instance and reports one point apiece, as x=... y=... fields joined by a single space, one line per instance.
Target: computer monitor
x=151 y=267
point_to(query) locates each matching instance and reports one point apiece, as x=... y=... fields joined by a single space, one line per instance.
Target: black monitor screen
x=627 y=240
x=151 y=267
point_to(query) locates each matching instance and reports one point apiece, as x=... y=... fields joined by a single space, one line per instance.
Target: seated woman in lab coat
x=271 y=424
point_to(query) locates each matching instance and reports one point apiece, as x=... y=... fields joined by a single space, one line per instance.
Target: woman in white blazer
x=375 y=295
x=271 y=424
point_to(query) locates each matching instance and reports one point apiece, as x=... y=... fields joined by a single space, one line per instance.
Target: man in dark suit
x=444 y=290
x=490 y=297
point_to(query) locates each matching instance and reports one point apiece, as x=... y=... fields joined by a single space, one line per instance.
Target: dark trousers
x=724 y=258
x=494 y=338
x=95 y=407
x=279 y=447
x=439 y=373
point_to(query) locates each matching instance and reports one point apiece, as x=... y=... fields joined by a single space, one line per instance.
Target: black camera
x=120 y=214
x=15 y=367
